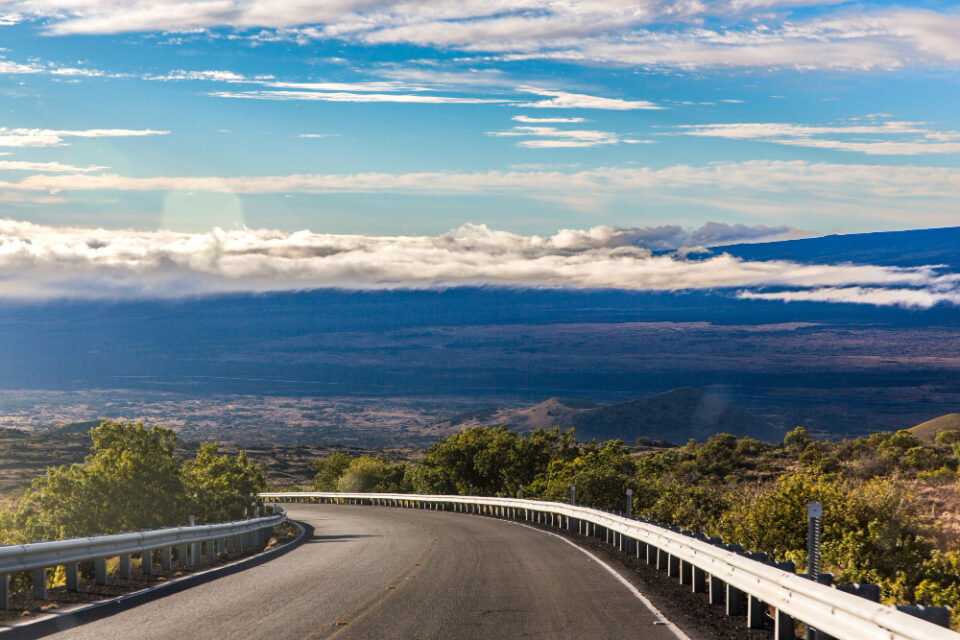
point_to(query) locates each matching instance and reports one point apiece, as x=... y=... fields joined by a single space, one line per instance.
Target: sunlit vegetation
x=133 y=480
x=877 y=527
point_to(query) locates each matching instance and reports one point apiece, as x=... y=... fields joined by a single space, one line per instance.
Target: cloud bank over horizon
x=47 y=262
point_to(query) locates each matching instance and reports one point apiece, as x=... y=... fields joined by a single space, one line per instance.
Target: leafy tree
x=329 y=471
x=131 y=481
x=490 y=460
x=718 y=456
x=798 y=439
x=922 y=458
x=601 y=474
x=220 y=488
x=372 y=473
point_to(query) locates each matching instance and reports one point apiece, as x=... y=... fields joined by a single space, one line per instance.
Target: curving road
x=380 y=572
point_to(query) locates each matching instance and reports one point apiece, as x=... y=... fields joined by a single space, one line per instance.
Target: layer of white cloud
x=542 y=137
x=51 y=167
x=344 y=96
x=802 y=192
x=566 y=100
x=870 y=138
x=760 y=33
x=532 y=120
x=47 y=262
x=901 y=297
x=211 y=75
x=779 y=177
x=55 y=137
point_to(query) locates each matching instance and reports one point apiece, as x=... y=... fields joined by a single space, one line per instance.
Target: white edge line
x=677 y=631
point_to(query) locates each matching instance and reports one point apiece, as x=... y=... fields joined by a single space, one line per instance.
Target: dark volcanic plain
x=836 y=379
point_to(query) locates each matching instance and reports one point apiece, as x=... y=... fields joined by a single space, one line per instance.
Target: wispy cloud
x=884 y=194
x=48 y=262
x=318 y=135
x=758 y=175
x=567 y=100
x=51 y=167
x=344 y=96
x=669 y=33
x=532 y=120
x=870 y=138
x=55 y=137
x=541 y=137
x=211 y=75
x=922 y=298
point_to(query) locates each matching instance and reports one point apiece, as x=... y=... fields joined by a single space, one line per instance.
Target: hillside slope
x=928 y=430
x=674 y=416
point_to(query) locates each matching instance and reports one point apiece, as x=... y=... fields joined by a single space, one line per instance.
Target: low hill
x=564 y=412
x=674 y=416
x=928 y=430
x=76 y=427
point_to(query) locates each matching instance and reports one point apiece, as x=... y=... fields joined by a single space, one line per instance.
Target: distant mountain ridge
x=910 y=248
x=674 y=416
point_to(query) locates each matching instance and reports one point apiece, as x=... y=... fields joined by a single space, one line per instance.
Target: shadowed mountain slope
x=549 y=413
x=674 y=416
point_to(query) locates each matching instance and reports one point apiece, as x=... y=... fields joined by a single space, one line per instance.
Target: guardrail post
x=182 y=555
x=211 y=551
x=652 y=554
x=686 y=572
x=40 y=583
x=756 y=613
x=673 y=566
x=783 y=628
x=100 y=570
x=716 y=588
x=146 y=562
x=166 y=558
x=125 y=566
x=865 y=590
x=937 y=615
x=4 y=590
x=699 y=580
x=72 y=571
x=662 y=560
x=735 y=601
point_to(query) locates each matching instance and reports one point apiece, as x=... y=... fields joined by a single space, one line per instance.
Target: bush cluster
x=133 y=480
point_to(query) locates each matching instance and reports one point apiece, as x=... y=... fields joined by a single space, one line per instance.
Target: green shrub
x=133 y=480
x=948 y=437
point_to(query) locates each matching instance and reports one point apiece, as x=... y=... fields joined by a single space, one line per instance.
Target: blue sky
x=473 y=88
x=773 y=118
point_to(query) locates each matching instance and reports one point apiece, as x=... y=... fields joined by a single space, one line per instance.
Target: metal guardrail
x=193 y=544
x=730 y=577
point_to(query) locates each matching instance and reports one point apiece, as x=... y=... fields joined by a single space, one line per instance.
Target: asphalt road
x=380 y=572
